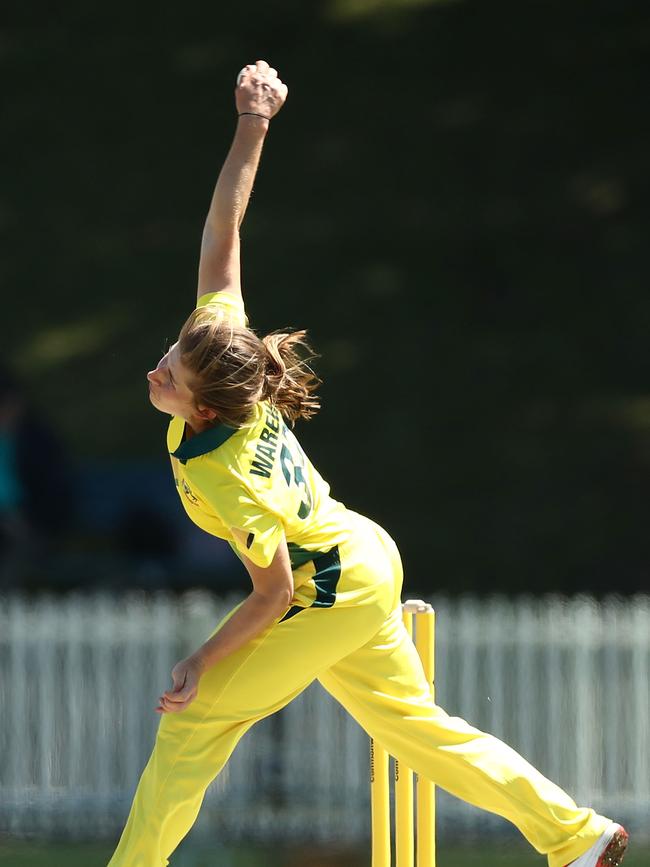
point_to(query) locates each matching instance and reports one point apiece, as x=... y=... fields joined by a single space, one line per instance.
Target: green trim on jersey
x=325 y=578
x=203 y=442
x=299 y=556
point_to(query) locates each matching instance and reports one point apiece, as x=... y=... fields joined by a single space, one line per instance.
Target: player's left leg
x=261 y=677
x=192 y=747
x=188 y=754
x=384 y=688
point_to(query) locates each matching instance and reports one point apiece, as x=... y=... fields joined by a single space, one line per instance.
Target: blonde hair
x=232 y=369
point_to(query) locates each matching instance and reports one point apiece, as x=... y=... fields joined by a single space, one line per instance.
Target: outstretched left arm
x=259 y=95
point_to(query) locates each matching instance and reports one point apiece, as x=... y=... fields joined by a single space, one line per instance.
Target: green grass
x=18 y=854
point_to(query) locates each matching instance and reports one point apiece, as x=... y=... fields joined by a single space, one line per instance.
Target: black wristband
x=253 y=114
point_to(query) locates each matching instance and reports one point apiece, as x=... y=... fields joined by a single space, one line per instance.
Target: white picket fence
x=565 y=682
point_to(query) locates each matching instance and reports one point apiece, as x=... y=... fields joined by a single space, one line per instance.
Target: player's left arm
x=270 y=598
x=259 y=95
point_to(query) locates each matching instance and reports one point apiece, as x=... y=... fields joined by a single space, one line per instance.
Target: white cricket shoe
x=607 y=851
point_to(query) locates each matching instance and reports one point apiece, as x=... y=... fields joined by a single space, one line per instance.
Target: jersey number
x=293 y=473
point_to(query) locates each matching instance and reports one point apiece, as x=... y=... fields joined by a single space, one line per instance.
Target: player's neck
x=195 y=426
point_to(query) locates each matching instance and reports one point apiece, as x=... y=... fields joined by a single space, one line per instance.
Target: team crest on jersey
x=188 y=492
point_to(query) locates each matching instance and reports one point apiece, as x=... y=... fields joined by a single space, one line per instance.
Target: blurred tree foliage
x=454 y=200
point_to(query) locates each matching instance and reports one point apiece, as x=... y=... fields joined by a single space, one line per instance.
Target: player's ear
x=206 y=413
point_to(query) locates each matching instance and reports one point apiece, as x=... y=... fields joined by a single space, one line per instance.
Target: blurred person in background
x=326 y=597
x=35 y=485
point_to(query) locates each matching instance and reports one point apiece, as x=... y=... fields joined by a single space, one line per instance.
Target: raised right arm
x=259 y=96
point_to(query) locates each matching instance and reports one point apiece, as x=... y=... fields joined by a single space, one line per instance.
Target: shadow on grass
x=21 y=854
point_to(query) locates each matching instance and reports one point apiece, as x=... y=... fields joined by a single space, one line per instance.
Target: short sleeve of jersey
x=256 y=532
x=226 y=305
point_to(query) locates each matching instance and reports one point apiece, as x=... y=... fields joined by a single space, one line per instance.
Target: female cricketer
x=326 y=581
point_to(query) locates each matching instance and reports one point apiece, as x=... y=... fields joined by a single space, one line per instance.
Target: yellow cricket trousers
x=344 y=628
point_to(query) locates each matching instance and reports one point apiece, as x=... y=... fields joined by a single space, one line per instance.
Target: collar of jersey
x=202 y=443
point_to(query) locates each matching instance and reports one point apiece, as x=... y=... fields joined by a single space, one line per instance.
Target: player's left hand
x=186 y=675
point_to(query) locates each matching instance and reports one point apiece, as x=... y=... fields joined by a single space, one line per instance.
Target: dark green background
x=453 y=201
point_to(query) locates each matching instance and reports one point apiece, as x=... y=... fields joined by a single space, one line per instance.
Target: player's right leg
x=384 y=688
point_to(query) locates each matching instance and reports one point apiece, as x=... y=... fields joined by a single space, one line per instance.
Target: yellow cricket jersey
x=254 y=484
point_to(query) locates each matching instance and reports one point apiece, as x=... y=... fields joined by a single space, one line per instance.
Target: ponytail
x=232 y=369
x=289 y=382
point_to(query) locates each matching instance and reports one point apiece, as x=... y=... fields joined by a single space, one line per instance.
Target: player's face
x=168 y=390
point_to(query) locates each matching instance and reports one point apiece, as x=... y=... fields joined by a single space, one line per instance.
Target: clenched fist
x=259 y=90
x=186 y=675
